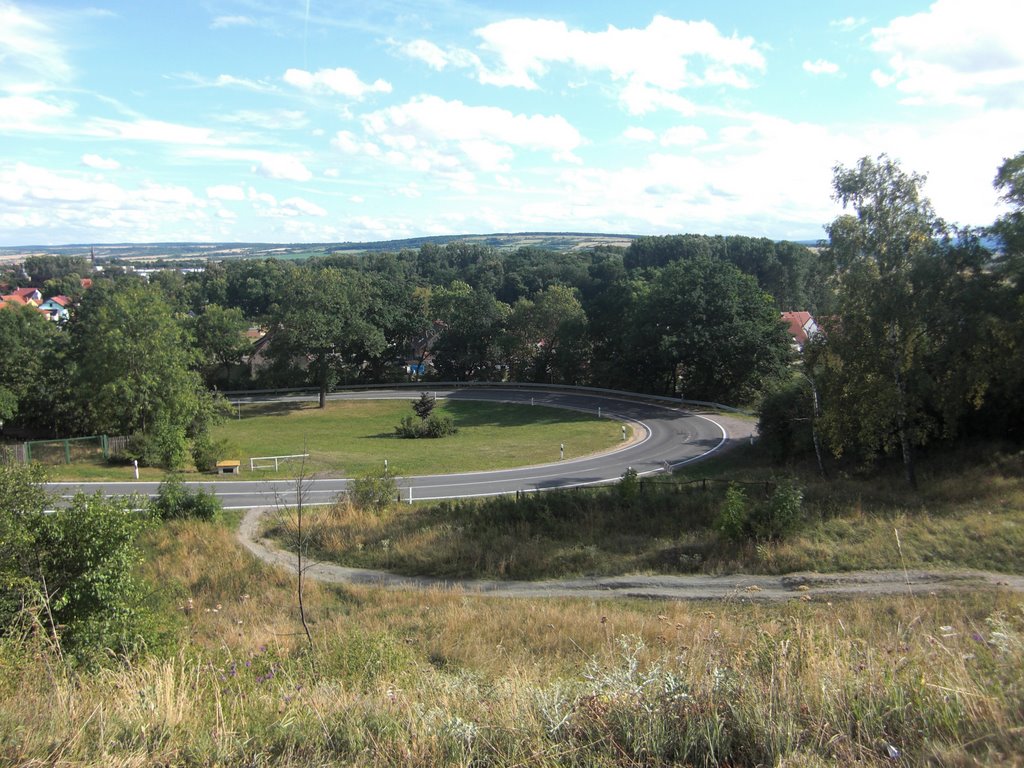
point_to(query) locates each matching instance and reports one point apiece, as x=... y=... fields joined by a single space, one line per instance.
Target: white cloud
x=221 y=22
x=41 y=205
x=261 y=198
x=650 y=64
x=821 y=67
x=849 y=22
x=100 y=163
x=32 y=59
x=357 y=199
x=683 y=135
x=225 y=192
x=428 y=129
x=33 y=115
x=286 y=167
x=300 y=206
x=347 y=142
x=957 y=52
x=427 y=52
x=227 y=81
x=152 y=130
x=340 y=80
x=271 y=119
x=332 y=173
x=637 y=133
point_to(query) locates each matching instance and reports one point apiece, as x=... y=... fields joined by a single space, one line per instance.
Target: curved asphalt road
x=664 y=438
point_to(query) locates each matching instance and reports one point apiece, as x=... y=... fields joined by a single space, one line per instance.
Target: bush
x=374 y=491
x=778 y=518
x=732 y=518
x=439 y=426
x=73 y=569
x=434 y=426
x=771 y=520
x=629 y=485
x=174 y=501
x=206 y=452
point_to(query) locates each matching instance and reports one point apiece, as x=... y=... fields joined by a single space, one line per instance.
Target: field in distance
x=158 y=252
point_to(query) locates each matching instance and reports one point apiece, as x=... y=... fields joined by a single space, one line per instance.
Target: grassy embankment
x=398 y=678
x=969 y=513
x=349 y=438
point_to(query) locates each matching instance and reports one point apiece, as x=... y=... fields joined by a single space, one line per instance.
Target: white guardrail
x=429 y=385
x=276 y=459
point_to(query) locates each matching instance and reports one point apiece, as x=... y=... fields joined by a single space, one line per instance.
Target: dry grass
x=969 y=514
x=399 y=678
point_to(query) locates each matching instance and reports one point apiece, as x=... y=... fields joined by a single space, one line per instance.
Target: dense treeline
x=922 y=327
x=131 y=357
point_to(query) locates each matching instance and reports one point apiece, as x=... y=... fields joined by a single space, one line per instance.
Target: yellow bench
x=229 y=467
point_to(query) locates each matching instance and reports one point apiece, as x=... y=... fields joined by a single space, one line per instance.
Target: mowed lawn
x=353 y=437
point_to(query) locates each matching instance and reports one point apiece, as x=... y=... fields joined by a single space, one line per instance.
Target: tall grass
x=969 y=515
x=398 y=678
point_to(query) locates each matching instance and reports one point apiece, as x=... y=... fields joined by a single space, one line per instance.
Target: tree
x=909 y=348
x=32 y=368
x=547 y=337
x=424 y=406
x=220 y=340
x=133 y=369
x=473 y=323
x=42 y=269
x=710 y=331
x=1009 y=228
x=322 y=327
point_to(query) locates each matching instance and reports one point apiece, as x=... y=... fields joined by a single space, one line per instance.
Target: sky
x=294 y=121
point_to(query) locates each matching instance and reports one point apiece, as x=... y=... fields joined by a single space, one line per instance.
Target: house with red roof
x=801 y=327
x=31 y=296
x=56 y=308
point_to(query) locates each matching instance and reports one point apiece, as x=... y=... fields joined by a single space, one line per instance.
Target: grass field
x=349 y=438
x=969 y=513
x=409 y=678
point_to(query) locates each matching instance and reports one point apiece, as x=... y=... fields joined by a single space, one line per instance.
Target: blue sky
x=329 y=120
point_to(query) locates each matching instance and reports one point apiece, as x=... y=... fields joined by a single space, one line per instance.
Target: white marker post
x=410 y=494
x=385 y=466
x=561 y=451
x=135 y=463
x=623 y=431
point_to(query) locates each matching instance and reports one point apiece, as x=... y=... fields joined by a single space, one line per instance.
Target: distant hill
x=554 y=241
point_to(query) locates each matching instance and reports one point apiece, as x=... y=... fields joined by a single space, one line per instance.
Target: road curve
x=665 y=438
x=741 y=587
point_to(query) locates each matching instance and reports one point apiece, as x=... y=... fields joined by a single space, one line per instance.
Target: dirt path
x=805 y=586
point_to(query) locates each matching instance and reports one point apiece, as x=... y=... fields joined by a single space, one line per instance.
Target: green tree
x=323 y=328
x=424 y=406
x=32 y=370
x=133 y=368
x=547 y=338
x=75 y=567
x=42 y=269
x=220 y=340
x=710 y=332
x=909 y=349
x=468 y=347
